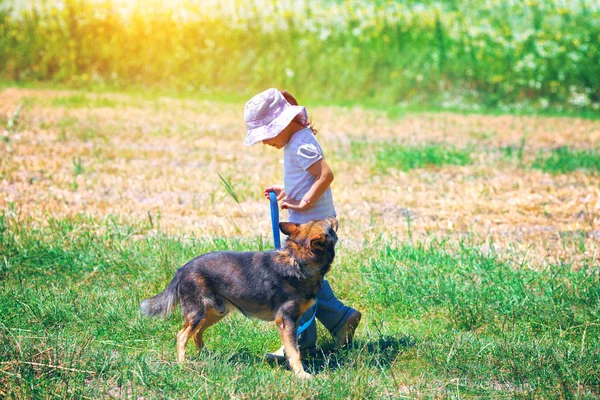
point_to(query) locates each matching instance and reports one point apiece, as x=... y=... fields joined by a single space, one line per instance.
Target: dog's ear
x=289 y=228
x=334 y=222
x=318 y=241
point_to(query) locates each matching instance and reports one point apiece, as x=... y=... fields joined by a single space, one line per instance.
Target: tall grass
x=450 y=54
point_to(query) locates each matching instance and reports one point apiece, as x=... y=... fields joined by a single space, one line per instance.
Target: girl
x=275 y=119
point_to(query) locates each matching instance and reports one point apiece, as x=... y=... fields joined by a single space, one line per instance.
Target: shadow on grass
x=380 y=352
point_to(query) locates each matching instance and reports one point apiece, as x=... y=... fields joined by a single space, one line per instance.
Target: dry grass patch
x=160 y=158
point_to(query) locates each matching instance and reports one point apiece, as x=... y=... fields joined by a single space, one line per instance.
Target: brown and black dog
x=277 y=285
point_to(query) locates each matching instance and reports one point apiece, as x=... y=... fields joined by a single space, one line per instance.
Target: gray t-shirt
x=302 y=151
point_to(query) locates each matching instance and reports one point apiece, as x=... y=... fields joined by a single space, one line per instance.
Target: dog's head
x=317 y=236
x=309 y=249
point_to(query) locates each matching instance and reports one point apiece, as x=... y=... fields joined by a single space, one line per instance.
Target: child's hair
x=292 y=100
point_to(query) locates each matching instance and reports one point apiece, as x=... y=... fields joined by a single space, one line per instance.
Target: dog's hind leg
x=194 y=315
x=211 y=318
x=289 y=337
x=182 y=338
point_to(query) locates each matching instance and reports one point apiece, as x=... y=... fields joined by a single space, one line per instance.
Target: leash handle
x=275 y=219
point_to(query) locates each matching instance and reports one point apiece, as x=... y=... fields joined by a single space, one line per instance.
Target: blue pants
x=330 y=311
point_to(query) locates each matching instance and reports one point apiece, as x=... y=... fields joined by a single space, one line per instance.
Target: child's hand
x=278 y=189
x=296 y=205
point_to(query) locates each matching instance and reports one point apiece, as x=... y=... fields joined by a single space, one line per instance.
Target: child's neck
x=291 y=129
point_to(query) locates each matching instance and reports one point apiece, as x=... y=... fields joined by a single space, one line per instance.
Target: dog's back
x=255 y=283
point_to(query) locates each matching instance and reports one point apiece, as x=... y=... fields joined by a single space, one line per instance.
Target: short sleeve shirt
x=302 y=151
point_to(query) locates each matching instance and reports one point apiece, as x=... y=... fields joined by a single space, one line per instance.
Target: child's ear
x=289 y=228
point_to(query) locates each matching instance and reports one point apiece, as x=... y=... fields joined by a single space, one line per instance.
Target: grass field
x=469 y=242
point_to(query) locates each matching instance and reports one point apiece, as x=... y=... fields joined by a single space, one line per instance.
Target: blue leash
x=277 y=241
x=275 y=220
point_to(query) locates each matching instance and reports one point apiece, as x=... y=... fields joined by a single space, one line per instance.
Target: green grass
x=156 y=92
x=389 y=155
x=441 y=320
x=565 y=159
x=80 y=101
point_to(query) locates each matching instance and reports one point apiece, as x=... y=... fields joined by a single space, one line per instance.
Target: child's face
x=278 y=141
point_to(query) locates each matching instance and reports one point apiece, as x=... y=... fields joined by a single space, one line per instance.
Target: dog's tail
x=163 y=303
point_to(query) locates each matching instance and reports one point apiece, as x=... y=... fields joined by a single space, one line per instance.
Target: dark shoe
x=346 y=333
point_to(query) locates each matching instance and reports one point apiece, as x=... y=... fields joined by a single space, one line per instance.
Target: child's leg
x=331 y=312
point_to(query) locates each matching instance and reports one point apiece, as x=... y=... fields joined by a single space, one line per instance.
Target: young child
x=275 y=119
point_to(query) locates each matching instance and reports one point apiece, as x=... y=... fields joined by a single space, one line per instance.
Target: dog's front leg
x=289 y=337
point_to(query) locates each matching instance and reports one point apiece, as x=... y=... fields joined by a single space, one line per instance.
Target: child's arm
x=323 y=178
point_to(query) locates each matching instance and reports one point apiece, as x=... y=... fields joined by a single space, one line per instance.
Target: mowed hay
x=158 y=160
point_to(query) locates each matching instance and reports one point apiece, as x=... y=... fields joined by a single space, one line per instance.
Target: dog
x=277 y=285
